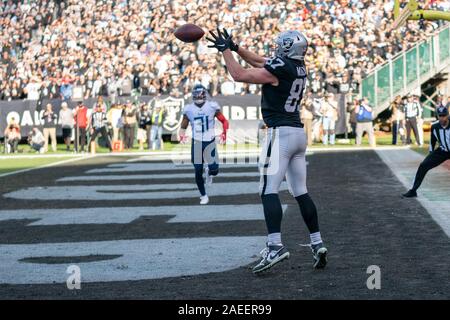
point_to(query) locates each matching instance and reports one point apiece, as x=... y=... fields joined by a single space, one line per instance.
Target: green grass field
x=20 y=163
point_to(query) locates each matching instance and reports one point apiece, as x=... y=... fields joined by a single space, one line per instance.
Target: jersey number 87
x=293 y=101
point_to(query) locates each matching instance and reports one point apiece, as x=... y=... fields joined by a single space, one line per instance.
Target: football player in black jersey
x=283 y=78
x=440 y=132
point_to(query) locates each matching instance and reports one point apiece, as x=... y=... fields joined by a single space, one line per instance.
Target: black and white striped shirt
x=98 y=120
x=438 y=133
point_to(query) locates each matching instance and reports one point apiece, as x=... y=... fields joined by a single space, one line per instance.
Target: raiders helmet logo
x=287 y=43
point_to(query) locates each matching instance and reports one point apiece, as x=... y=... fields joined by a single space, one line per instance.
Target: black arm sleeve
x=432 y=139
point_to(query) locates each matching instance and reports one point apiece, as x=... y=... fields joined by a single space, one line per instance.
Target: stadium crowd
x=79 y=49
x=120 y=126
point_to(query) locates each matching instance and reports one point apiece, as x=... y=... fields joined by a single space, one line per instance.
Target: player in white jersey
x=201 y=115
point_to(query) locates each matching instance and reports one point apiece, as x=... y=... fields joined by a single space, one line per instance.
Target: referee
x=440 y=131
x=98 y=126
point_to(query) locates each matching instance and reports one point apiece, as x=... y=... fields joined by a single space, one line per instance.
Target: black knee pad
x=213 y=169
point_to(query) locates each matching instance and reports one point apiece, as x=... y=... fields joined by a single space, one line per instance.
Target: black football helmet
x=199 y=94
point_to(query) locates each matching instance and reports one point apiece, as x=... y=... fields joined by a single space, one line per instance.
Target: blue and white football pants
x=204 y=152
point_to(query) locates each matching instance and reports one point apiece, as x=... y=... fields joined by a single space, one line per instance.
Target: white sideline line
x=40 y=167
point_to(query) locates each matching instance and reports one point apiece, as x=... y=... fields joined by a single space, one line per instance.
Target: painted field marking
x=153 y=176
x=139 y=259
x=134 y=192
x=123 y=215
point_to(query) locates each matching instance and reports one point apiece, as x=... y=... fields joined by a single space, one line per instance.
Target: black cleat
x=319 y=255
x=410 y=194
x=271 y=255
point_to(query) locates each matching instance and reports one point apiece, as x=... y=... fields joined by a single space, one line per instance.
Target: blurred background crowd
x=119 y=125
x=80 y=49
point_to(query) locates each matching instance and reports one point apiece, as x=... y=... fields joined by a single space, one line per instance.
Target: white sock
x=274 y=238
x=315 y=238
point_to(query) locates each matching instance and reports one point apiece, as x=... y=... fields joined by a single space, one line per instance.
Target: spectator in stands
x=440 y=102
x=66 y=121
x=99 y=45
x=330 y=116
x=36 y=140
x=81 y=123
x=413 y=112
x=66 y=89
x=49 y=117
x=446 y=101
x=101 y=103
x=364 y=117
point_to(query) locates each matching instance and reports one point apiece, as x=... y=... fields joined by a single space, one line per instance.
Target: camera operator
x=12 y=137
x=36 y=140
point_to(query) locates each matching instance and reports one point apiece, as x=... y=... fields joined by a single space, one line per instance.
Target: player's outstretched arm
x=182 y=133
x=251 y=75
x=251 y=58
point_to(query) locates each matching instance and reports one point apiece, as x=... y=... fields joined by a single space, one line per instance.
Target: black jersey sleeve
x=278 y=67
